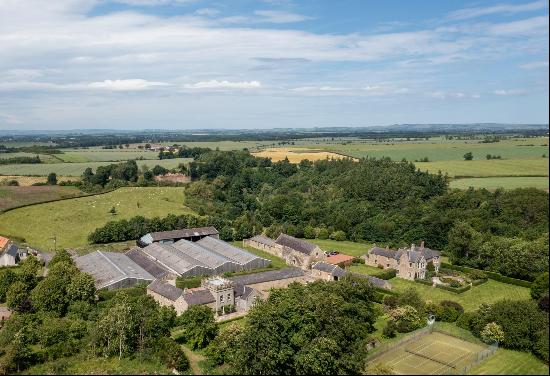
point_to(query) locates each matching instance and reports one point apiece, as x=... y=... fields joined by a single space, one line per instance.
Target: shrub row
x=478 y=282
x=424 y=281
x=492 y=275
x=386 y=274
x=456 y=290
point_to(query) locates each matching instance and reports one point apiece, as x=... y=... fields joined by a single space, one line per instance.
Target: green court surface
x=432 y=354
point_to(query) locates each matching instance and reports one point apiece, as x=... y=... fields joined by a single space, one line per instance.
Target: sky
x=199 y=64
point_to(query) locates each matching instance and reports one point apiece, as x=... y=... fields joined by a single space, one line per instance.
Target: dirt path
x=194 y=360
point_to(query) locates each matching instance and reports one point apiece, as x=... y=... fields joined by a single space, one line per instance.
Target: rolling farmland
x=72 y=220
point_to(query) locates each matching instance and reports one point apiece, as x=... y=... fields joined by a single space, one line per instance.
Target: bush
x=391 y=301
x=458 y=290
x=406 y=319
x=491 y=275
x=540 y=286
x=338 y=236
x=449 y=311
x=468 y=320
x=386 y=274
x=477 y=274
x=389 y=330
x=171 y=354
x=188 y=283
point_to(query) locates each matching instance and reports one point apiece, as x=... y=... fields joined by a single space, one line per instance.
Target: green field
x=11 y=197
x=72 y=220
x=346 y=247
x=45 y=158
x=104 y=155
x=76 y=169
x=276 y=262
x=506 y=183
x=484 y=167
x=222 y=145
x=509 y=362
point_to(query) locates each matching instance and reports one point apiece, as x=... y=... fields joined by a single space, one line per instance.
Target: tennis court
x=432 y=354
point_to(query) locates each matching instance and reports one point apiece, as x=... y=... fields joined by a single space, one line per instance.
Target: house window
x=410 y=265
x=228 y=297
x=221 y=298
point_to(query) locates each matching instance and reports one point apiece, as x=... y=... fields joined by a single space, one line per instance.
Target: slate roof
x=270 y=275
x=165 y=289
x=12 y=250
x=264 y=240
x=296 y=244
x=199 y=296
x=185 y=233
x=390 y=253
x=108 y=268
x=375 y=281
x=148 y=263
x=227 y=250
x=428 y=253
x=333 y=270
x=247 y=291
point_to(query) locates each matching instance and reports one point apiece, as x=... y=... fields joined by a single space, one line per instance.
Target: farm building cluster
x=11 y=254
x=162 y=257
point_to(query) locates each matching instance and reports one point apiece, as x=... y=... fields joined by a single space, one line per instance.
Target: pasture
x=76 y=169
x=71 y=221
x=485 y=168
x=26 y=181
x=434 y=353
x=510 y=362
x=506 y=183
x=11 y=197
x=295 y=155
x=105 y=155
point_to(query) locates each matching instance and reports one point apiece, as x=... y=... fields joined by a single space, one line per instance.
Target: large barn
x=112 y=270
x=169 y=237
x=208 y=256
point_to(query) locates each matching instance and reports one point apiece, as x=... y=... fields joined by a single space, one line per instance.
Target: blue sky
x=183 y=64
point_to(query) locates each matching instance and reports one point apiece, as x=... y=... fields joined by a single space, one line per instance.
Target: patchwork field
x=26 y=181
x=11 y=197
x=432 y=354
x=105 y=155
x=295 y=155
x=506 y=183
x=484 y=167
x=72 y=220
x=76 y=169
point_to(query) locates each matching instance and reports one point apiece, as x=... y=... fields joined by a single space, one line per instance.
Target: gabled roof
x=165 y=289
x=185 y=233
x=247 y=291
x=333 y=270
x=264 y=240
x=390 y=253
x=271 y=275
x=297 y=244
x=198 y=296
x=211 y=259
x=227 y=250
x=148 y=263
x=12 y=250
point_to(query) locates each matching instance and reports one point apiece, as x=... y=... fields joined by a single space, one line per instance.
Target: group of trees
x=62 y=314
x=20 y=160
x=319 y=328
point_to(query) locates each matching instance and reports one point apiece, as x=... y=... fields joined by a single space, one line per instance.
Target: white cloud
x=151 y=3
x=504 y=8
x=535 y=65
x=506 y=92
x=125 y=85
x=215 y=84
x=276 y=16
x=452 y=95
x=530 y=26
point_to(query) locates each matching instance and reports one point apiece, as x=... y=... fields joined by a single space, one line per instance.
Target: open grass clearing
x=73 y=220
x=510 y=362
x=276 y=262
x=346 y=247
x=506 y=183
x=103 y=155
x=295 y=155
x=11 y=197
x=76 y=169
x=26 y=181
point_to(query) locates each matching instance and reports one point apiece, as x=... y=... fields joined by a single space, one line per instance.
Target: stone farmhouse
x=296 y=252
x=410 y=263
x=221 y=293
x=327 y=272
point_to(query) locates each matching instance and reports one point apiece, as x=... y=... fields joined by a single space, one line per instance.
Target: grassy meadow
x=505 y=182
x=488 y=168
x=11 y=197
x=73 y=220
x=105 y=155
x=510 y=362
x=76 y=169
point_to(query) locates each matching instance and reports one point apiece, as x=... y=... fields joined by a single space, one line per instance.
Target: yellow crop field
x=295 y=155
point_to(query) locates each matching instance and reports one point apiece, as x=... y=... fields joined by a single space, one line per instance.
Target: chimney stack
x=422 y=245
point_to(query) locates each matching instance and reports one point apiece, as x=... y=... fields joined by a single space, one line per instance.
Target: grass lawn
x=346 y=247
x=510 y=362
x=276 y=262
x=73 y=220
x=11 y=197
x=365 y=269
x=489 y=292
x=506 y=183
x=81 y=365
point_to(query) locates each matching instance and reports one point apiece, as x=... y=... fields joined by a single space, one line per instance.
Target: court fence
x=458 y=369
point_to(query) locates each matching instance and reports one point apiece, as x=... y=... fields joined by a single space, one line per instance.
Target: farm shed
x=169 y=237
x=112 y=270
x=174 y=260
x=246 y=259
x=328 y=272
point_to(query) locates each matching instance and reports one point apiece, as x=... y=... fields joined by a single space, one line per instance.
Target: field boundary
x=57 y=199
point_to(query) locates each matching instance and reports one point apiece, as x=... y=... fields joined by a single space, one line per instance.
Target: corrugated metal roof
x=108 y=268
x=203 y=255
x=148 y=263
x=227 y=250
x=172 y=258
x=296 y=244
x=165 y=289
